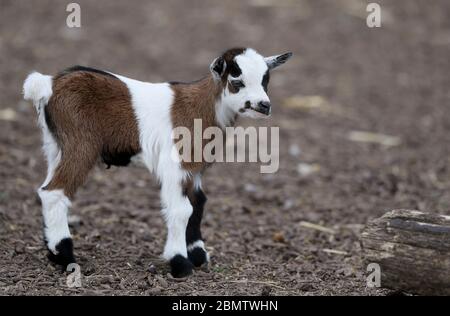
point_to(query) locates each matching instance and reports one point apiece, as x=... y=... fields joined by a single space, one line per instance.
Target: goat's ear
x=218 y=68
x=277 y=60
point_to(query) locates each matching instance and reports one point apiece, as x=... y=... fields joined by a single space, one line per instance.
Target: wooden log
x=412 y=249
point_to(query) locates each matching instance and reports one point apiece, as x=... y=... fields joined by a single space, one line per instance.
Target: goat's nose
x=264 y=106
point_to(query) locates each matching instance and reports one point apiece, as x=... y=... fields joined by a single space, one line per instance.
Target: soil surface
x=344 y=78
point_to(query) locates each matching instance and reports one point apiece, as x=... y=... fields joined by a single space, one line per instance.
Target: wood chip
x=305 y=102
x=317 y=227
x=306 y=169
x=367 y=137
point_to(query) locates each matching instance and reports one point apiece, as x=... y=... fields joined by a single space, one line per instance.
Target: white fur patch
x=196 y=244
x=152 y=105
x=55 y=207
x=37 y=87
x=177 y=217
x=224 y=114
x=51 y=151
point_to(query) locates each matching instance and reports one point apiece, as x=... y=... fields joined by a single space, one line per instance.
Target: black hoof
x=198 y=256
x=180 y=266
x=65 y=253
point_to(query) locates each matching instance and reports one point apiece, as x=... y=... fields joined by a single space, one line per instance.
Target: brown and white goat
x=88 y=114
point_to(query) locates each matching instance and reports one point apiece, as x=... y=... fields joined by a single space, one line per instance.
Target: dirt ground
x=344 y=77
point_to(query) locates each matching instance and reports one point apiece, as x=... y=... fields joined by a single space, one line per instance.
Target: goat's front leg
x=176 y=210
x=196 y=248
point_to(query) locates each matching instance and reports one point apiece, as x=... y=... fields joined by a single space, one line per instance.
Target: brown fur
x=195 y=101
x=90 y=116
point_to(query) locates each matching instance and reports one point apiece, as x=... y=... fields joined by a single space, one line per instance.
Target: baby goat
x=86 y=114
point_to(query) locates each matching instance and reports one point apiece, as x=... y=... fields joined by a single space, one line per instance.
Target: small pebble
x=152 y=269
x=278 y=237
x=294 y=150
x=305 y=169
x=19 y=248
x=161 y=281
x=248 y=187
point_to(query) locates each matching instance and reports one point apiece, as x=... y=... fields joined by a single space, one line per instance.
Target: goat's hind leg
x=64 y=177
x=55 y=206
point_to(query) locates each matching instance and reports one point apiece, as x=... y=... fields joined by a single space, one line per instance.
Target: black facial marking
x=238 y=84
x=232 y=67
x=247 y=106
x=265 y=80
x=235 y=85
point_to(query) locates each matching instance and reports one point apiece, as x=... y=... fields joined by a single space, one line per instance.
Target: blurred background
x=364 y=119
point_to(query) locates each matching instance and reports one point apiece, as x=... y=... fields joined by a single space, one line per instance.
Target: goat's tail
x=38 y=89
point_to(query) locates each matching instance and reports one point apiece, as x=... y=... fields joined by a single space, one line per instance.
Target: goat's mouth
x=264 y=111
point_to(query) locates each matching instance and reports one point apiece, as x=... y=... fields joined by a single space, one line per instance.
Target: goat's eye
x=237 y=84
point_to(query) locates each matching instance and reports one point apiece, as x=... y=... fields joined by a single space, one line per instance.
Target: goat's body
x=116 y=117
x=87 y=115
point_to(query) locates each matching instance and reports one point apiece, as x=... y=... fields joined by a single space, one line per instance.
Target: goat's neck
x=206 y=101
x=225 y=117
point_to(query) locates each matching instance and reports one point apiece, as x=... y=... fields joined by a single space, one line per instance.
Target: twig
x=335 y=252
x=318 y=227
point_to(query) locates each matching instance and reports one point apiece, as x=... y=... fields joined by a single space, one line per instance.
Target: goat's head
x=244 y=75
